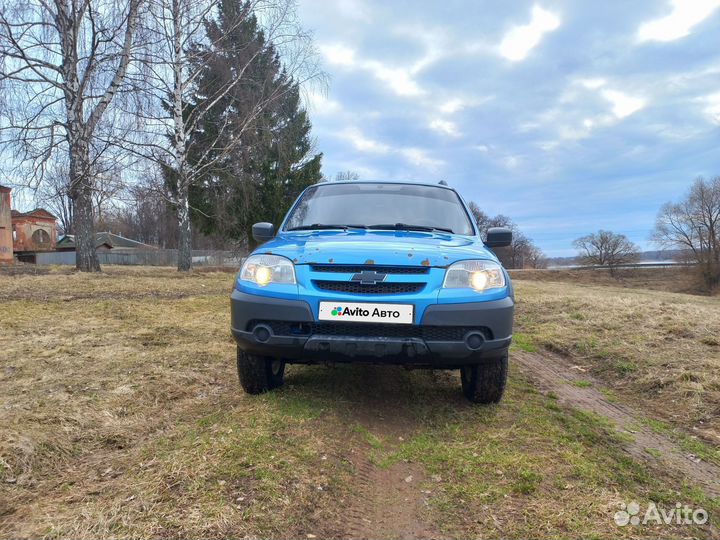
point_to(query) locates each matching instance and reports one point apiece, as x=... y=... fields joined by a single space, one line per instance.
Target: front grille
x=354 y=269
x=355 y=287
x=428 y=333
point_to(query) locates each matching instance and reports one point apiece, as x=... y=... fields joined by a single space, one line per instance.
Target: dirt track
x=552 y=373
x=388 y=502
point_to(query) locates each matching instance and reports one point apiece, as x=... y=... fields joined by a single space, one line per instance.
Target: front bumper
x=448 y=336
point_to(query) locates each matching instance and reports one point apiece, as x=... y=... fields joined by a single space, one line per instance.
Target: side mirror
x=262 y=232
x=498 y=237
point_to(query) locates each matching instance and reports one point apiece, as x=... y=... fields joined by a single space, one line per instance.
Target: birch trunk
x=180 y=146
x=184 y=230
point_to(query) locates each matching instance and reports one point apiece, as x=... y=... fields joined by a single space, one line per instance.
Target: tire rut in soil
x=386 y=505
x=551 y=373
x=387 y=501
x=357 y=514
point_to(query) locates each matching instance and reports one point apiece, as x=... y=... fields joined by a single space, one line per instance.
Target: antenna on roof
x=443 y=183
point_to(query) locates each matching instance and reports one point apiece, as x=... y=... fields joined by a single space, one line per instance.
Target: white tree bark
x=169 y=77
x=71 y=58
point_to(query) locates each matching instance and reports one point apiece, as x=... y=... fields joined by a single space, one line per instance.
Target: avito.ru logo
x=340 y=311
x=630 y=514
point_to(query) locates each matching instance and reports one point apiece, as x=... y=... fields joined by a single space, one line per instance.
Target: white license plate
x=367 y=312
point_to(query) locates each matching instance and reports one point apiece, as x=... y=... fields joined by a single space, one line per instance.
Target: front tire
x=485 y=382
x=259 y=374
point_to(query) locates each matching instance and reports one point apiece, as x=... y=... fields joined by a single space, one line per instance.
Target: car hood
x=376 y=247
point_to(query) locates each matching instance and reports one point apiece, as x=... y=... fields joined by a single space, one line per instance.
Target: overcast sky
x=568 y=116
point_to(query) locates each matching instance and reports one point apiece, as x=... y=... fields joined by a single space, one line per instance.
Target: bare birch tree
x=693 y=226
x=175 y=58
x=61 y=64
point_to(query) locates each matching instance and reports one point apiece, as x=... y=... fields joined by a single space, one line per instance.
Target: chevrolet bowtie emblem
x=369 y=277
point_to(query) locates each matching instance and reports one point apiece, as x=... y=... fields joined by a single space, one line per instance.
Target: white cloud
x=593 y=84
x=526 y=127
x=520 y=40
x=338 y=54
x=419 y=158
x=319 y=104
x=353 y=9
x=415 y=156
x=684 y=16
x=574 y=133
x=445 y=127
x=713 y=107
x=511 y=162
x=435 y=40
x=622 y=104
x=484 y=148
x=399 y=80
x=456 y=104
x=548 y=146
x=362 y=143
x=452 y=105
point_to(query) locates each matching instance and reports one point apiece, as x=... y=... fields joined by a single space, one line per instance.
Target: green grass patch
x=657 y=426
x=582 y=384
x=527 y=481
x=688 y=443
x=625 y=367
x=609 y=395
x=699 y=448
x=369 y=438
x=523 y=342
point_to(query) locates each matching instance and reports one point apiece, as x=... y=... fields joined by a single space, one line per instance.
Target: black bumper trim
x=495 y=315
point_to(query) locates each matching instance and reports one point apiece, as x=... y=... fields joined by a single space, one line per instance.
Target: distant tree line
x=690 y=228
x=522 y=252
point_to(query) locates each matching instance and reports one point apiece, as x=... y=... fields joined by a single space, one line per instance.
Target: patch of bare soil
x=557 y=375
x=389 y=501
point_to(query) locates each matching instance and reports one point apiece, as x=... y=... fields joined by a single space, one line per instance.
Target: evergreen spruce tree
x=260 y=179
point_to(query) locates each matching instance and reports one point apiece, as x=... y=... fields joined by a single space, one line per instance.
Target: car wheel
x=259 y=374
x=485 y=383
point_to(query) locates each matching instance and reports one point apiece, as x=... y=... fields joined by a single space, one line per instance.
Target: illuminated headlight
x=264 y=269
x=478 y=275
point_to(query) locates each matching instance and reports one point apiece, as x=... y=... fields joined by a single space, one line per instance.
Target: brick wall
x=34 y=233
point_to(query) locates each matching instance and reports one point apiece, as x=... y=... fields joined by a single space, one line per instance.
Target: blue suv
x=375 y=272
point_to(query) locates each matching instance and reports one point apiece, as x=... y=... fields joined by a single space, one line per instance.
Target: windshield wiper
x=406 y=227
x=318 y=226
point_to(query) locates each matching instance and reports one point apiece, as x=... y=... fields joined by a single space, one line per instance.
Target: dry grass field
x=122 y=417
x=667 y=279
x=659 y=349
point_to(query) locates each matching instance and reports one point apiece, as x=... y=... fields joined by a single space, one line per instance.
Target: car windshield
x=380 y=206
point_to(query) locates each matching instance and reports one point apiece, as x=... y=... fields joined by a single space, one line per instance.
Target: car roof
x=429 y=183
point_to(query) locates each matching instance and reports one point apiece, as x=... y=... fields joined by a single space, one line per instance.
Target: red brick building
x=33 y=231
x=24 y=233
